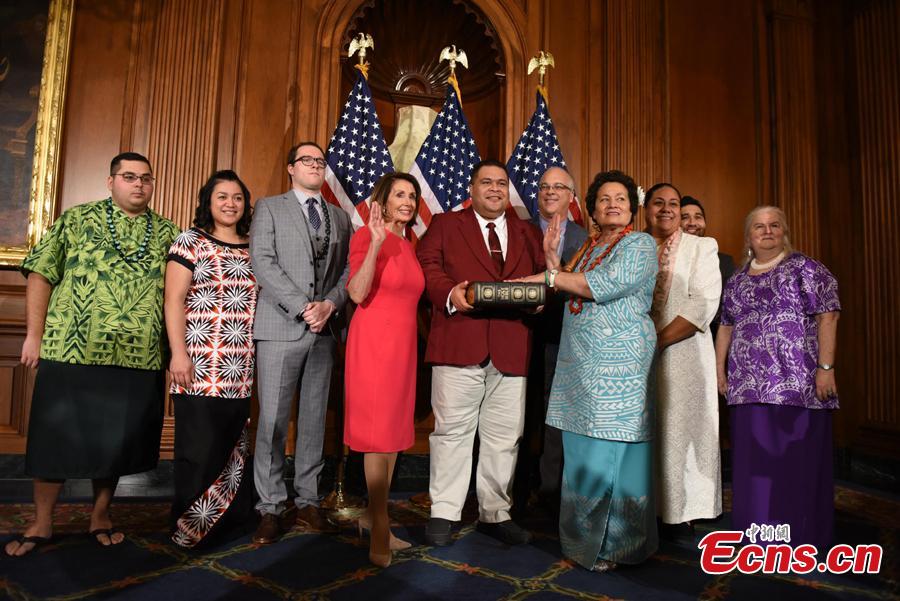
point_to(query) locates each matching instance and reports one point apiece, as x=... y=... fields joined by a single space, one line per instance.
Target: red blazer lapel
x=471 y=233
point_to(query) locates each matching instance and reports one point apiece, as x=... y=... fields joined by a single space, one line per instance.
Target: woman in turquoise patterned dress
x=599 y=393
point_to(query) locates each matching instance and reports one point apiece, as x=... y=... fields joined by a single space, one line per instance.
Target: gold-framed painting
x=34 y=60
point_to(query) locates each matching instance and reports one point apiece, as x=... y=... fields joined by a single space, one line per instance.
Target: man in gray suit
x=555 y=192
x=298 y=246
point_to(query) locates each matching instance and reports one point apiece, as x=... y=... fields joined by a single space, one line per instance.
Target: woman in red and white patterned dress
x=209 y=303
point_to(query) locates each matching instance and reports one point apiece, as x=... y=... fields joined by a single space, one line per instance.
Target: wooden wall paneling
x=143 y=44
x=635 y=135
x=176 y=80
x=568 y=83
x=482 y=114
x=183 y=114
x=323 y=73
x=16 y=381
x=232 y=93
x=95 y=100
x=510 y=23
x=593 y=153
x=876 y=31
x=713 y=104
x=792 y=82
x=763 y=115
x=539 y=15
x=264 y=126
x=840 y=220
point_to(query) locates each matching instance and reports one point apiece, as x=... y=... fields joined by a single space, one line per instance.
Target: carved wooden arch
x=508 y=20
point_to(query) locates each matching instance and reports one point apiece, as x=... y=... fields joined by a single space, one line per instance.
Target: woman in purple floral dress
x=778 y=334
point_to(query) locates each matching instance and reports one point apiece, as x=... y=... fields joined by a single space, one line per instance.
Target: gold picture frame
x=48 y=131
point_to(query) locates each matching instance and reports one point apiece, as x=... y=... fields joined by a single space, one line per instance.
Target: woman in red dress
x=386 y=283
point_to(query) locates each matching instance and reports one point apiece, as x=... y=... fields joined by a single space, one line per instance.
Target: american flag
x=537 y=150
x=444 y=163
x=357 y=155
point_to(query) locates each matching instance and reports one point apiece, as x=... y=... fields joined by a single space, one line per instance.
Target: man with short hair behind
x=693 y=221
x=480 y=358
x=555 y=191
x=93 y=305
x=298 y=246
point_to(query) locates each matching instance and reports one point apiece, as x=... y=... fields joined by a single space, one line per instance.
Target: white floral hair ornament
x=641 y=194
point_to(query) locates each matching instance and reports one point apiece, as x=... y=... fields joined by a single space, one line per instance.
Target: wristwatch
x=825 y=366
x=552 y=277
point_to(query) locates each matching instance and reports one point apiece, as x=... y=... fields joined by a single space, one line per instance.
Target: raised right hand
x=181 y=368
x=376 y=225
x=458 y=297
x=551 y=242
x=31 y=352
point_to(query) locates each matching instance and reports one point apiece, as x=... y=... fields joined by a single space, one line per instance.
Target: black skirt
x=93 y=421
x=208 y=432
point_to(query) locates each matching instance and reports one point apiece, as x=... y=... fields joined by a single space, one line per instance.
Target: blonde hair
x=748 y=223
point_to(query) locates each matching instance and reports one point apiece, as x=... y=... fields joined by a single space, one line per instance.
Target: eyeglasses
x=554 y=187
x=310 y=161
x=131 y=178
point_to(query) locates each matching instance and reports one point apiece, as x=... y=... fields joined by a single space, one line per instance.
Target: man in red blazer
x=480 y=358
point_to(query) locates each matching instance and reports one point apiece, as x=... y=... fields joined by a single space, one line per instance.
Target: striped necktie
x=314 y=218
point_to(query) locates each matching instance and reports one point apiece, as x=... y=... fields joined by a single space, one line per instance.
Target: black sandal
x=36 y=541
x=109 y=532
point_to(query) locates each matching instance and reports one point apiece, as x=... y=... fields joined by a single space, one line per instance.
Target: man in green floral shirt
x=94 y=331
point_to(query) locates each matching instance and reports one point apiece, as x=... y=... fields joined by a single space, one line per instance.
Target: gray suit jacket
x=282 y=256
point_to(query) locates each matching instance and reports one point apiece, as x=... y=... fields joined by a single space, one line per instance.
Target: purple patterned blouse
x=774 y=345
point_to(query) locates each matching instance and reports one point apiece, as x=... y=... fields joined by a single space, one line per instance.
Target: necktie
x=314 y=219
x=494 y=245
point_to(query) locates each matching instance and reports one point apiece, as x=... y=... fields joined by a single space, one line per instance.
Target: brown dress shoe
x=314 y=519
x=269 y=530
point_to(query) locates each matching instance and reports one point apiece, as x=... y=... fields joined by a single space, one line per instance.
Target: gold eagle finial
x=360 y=43
x=450 y=54
x=541 y=62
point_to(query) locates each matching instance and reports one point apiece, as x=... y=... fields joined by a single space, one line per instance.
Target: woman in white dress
x=683 y=384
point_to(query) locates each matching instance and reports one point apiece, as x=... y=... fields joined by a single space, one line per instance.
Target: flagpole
x=345 y=507
x=454 y=57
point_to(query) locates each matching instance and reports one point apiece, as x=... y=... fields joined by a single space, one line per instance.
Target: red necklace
x=576 y=303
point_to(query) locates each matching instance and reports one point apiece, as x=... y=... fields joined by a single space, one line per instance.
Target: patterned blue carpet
x=310 y=565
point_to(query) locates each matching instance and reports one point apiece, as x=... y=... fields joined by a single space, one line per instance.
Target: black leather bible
x=490 y=295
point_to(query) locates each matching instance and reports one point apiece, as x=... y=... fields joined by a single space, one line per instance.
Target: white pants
x=466 y=400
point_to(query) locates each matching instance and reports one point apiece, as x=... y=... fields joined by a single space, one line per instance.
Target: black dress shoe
x=506 y=532
x=437 y=532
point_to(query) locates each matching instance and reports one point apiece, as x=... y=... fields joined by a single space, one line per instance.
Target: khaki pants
x=466 y=400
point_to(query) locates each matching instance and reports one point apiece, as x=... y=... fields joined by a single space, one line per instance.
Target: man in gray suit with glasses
x=298 y=246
